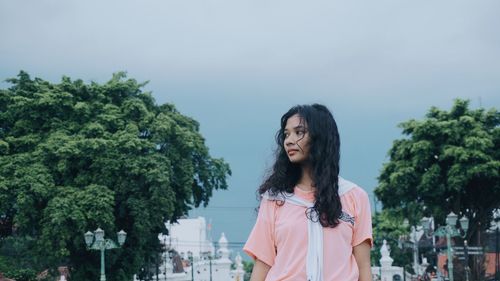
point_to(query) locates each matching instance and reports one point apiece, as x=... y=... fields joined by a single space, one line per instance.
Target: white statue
x=386 y=260
x=384 y=250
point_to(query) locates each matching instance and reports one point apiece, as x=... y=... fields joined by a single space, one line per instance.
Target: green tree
x=449 y=161
x=248 y=267
x=389 y=226
x=75 y=156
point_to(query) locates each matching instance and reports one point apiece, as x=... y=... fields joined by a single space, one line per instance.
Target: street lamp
x=415 y=246
x=427 y=225
x=168 y=257
x=448 y=231
x=497 y=260
x=210 y=260
x=190 y=257
x=464 y=224
x=96 y=241
x=495 y=227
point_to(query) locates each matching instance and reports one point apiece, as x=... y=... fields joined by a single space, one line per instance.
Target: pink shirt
x=279 y=238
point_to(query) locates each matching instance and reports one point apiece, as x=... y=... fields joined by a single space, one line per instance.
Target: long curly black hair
x=324 y=157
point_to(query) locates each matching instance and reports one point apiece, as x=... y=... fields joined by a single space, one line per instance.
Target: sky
x=237 y=66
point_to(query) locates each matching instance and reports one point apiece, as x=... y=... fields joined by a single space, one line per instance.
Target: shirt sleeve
x=261 y=242
x=363 y=219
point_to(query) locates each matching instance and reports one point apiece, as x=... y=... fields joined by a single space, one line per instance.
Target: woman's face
x=296 y=142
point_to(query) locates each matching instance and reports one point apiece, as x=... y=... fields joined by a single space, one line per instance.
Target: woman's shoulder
x=355 y=200
x=351 y=191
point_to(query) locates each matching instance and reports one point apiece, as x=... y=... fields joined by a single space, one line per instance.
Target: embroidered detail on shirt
x=347 y=218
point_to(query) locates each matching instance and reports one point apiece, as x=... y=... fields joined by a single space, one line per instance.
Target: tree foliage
x=449 y=161
x=75 y=156
x=248 y=267
x=389 y=226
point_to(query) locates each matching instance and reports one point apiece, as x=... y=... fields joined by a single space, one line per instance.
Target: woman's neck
x=305 y=182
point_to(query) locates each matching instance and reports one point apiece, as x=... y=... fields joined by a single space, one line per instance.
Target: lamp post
x=168 y=257
x=466 y=256
x=166 y=254
x=415 y=250
x=191 y=260
x=495 y=226
x=497 y=262
x=427 y=224
x=210 y=261
x=448 y=231
x=96 y=241
x=415 y=246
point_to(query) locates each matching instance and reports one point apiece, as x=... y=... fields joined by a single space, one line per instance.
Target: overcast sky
x=237 y=66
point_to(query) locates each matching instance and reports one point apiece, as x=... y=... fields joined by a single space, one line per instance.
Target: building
x=191 y=255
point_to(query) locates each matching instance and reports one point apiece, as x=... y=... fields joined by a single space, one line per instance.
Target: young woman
x=312 y=224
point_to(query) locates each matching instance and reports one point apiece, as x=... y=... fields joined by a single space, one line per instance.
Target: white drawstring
x=314 y=266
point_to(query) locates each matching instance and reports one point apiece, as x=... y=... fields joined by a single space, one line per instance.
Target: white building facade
x=192 y=256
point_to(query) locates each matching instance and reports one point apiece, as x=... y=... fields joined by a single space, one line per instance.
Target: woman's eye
x=300 y=133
